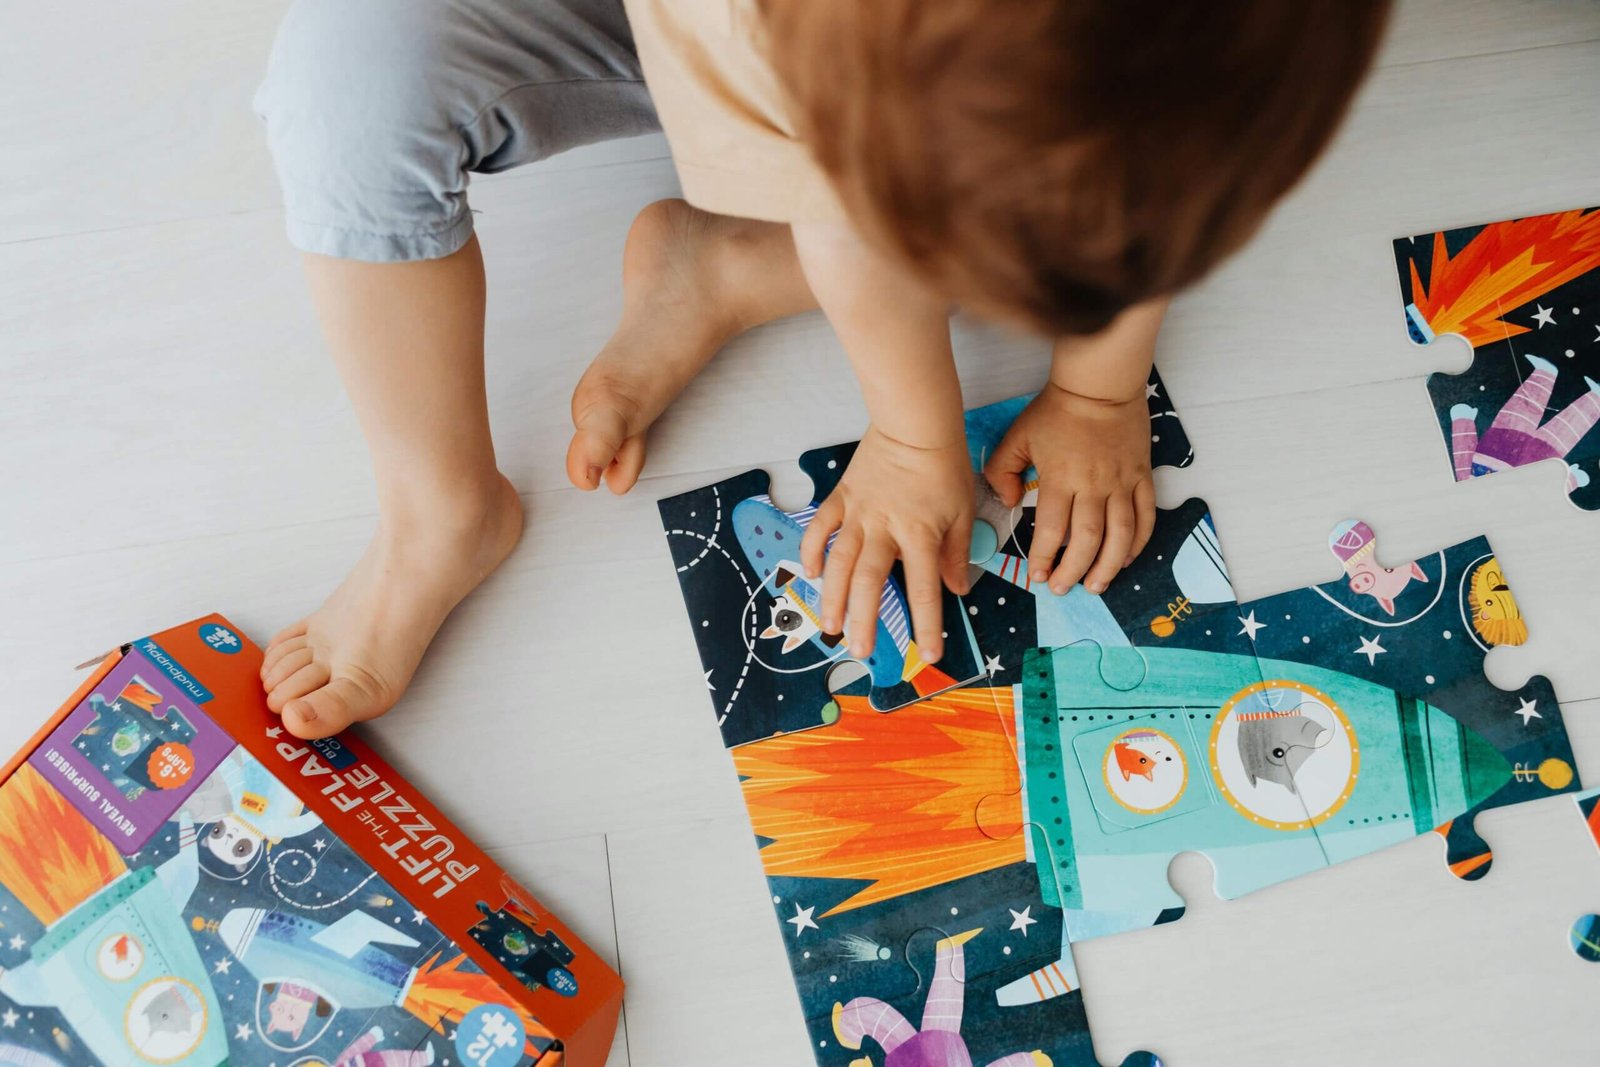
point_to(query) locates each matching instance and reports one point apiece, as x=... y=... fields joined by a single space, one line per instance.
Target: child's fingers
x=836 y=571
x=1144 y=516
x=814 y=543
x=866 y=589
x=1049 y=530
x=1118 y=541
x=1004 y=468
x=924 y=595
x=954 y=553
x=1083 y=544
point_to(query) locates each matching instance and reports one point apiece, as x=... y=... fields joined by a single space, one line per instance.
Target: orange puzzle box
x=184 y=883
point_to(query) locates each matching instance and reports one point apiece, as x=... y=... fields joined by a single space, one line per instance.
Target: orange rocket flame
x=50 y=856
x=1501 y=269
x=447 y=992
x=889 y=799
x=136 y=692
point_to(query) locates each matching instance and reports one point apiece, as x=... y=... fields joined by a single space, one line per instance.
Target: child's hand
x=894 y=500
x=1093 y=459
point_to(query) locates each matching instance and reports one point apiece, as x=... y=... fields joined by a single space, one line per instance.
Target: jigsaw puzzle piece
x=1584 y=935
x=1389 y=660
x=1525 y=294
x=769 y=665
x=873 y=859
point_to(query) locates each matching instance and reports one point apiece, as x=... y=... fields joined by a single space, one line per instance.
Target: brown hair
x=1056 y=161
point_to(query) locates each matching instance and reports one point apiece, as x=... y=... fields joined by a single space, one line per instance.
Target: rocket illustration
x=351 y=971
x=770 y=539
x=307 y=966
x=115 y=958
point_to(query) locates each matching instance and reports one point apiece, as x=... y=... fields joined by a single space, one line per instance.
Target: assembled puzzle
x=183 y=882
x=933 y=864
x=1525 y=294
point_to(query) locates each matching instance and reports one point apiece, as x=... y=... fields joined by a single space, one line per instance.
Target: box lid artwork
x=183 y=882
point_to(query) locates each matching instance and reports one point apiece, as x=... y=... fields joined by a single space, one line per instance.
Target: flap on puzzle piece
x=1390 y=659
x=1525 y=294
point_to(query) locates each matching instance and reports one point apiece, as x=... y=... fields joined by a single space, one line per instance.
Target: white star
x=1370 y=649
x=1151 y=390
x=9 y=1018
x=1544 y=316
x=116 y=705
x=708 y=682
x=1250 y=625
x=319 y=844
x=274 y=731
x=417 y=917
x=802 y=920
x=242 y=1031
x=1021 y=920
x=992 y=665
x=1528 y=710
x=18 y=942
x=222 y=966
x=1596 y=335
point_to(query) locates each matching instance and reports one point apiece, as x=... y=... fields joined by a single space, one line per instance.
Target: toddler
x=1061 y=165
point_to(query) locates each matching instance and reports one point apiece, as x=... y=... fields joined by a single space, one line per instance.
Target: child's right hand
x=1095 y=488
x=893 y=501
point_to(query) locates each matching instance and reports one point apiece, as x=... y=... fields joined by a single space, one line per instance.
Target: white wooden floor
x=175 y=442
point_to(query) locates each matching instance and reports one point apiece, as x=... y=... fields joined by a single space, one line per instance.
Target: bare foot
x=354 y=656
x=690 y=281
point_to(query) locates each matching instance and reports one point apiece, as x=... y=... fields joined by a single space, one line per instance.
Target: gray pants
x=378 y=110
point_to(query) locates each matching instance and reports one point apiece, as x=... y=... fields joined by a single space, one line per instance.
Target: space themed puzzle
x=183 y=882
x=931 y=865
x=1525 y=294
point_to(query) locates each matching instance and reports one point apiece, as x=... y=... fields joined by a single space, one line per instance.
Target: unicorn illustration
x=938 y=1043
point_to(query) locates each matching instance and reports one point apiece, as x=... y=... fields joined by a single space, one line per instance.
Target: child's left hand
x=893 y=500
x=1093 y=459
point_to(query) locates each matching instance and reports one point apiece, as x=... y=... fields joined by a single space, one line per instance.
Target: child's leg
x=691 y=280
x=377 y=111
x=408 y=340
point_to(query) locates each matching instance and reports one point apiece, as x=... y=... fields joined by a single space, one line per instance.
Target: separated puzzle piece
x=876 y=866
x=1525 y=294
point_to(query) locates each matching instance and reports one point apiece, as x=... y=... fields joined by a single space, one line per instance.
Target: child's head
x=1055 y=161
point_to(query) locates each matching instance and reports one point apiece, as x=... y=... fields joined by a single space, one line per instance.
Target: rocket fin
x=356 y=930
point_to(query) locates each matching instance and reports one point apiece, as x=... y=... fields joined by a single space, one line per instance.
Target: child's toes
x=293 y=630
x=279 y=649
x=279 y=669
x=311 y=676
x=331 y=708
x=596 y=443
x=624 y=471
